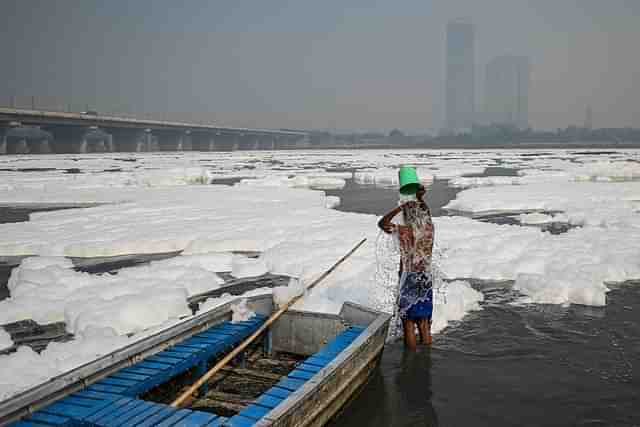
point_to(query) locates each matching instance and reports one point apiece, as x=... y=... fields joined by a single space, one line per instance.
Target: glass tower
x=507 y=91
x=460 y=98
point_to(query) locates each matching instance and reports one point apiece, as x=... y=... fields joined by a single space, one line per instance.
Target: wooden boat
x=329 y=357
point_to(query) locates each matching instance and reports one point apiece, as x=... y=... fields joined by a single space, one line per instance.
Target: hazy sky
x=350 y=64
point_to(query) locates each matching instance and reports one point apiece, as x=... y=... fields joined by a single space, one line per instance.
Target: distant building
x=588 y=118
x=507 y=91
x=460 y=89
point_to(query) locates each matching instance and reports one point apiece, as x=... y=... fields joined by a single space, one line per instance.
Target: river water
x=505 y=365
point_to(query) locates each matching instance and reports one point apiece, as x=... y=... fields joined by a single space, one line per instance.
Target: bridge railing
x=59 y=105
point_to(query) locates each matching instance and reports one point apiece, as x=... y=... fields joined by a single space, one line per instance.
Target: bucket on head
x=409 y=181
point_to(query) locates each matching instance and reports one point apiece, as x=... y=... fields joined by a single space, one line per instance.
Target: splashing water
x=387 y=278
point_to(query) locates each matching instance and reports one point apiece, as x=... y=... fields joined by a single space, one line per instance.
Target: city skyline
x=460 y=98
x=506 y=95
x=337 y=65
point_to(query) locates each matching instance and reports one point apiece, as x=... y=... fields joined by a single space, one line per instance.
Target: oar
x=211 y=372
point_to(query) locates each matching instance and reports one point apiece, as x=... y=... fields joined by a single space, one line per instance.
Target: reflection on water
x=399 y=394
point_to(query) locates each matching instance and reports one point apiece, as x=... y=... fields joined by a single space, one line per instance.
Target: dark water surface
x=506 y=365
x=20 y=214
x=378 y=200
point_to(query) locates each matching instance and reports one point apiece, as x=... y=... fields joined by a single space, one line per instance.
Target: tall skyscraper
x=460 y=97
x=507 y=91
x=588 y=118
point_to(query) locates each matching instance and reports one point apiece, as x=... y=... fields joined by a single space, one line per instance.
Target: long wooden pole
x=211 y=372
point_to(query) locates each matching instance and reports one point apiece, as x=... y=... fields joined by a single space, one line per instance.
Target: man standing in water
x=415 y=236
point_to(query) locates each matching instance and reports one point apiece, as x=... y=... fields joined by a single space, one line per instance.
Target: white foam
x=388 y=177
x=332 y=202
x=606 y=170
x=298 y=236
x=130 y=313
x=23 y=369
x=240 y=312
x=459 y=300
x=134 y=299
x=210 y=261
x=327 y=183
x=583 y=203
x=283 y=294
x=298 y=181
x=559 y=269
x=485 y=181
x=535 y=218
x=248 y=267
x=213 y=303
x=5 y=339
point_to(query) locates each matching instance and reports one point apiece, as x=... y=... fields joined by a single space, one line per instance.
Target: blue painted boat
x=337 y=355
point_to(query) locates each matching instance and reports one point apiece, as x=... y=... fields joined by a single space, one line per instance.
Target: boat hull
x=325 y=394
x=347 y=345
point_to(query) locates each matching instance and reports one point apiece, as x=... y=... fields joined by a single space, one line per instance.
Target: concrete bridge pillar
x=248 y=142
x=20 y=139
x=228 y=142
x=174 y=140
x=203 y=141
x=268 y=142
x=293 y=141
x=3 y=139
x=41 y=146
x=75 y=139
x=97 y=140
x=134 y=140
x=186 y=141
x=287 y=142
x=279 y=143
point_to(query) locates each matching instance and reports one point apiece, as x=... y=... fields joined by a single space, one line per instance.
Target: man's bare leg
x=425 y=331
x=409 y=334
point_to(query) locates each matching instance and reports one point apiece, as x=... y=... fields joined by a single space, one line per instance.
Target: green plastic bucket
x=409 y=181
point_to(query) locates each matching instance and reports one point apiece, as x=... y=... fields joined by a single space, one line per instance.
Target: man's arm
x=385 y=222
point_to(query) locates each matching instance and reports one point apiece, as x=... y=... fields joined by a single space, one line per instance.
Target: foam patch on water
x=609 y=205
x=25 y=368
x=460 y=299
x=535 y=218
x=247 y=267
x=5 y=339
x=240 y=312
x=59 y=188
x=297 y=236
x=210 y=261
x=332 y=202
x=558 y=269
x=50 y=290
x=283 y=294
x=388 y=177
x=299 y=181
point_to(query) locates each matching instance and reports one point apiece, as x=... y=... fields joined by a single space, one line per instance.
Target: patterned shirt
x=418 y=260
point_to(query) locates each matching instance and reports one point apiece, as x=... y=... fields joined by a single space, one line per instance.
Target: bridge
x=24 y=131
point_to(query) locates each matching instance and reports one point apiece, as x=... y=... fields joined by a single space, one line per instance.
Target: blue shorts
x=415 y=301
x=421 y=310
